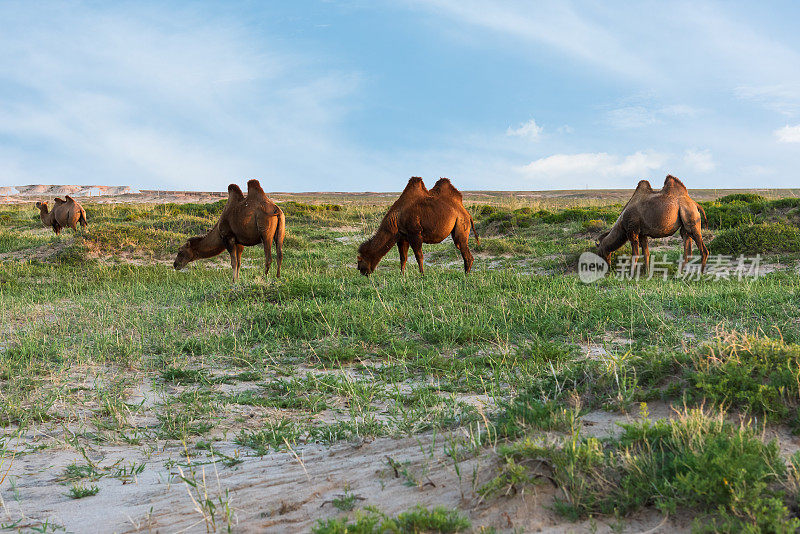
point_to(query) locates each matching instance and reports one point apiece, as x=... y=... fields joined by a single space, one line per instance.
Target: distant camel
x=420 y=216
x=245 y=222
x=65 y=214
x=654 y=214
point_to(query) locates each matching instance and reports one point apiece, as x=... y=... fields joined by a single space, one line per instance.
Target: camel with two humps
x=420 y=216
x=245 y=221
x=651 y=214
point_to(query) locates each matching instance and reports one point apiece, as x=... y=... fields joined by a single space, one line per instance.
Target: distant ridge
x=72 y=190
x=540 y=199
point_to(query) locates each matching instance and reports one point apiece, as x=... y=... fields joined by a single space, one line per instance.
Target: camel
x=420 y=216
x=65 y=213
x=654 y=214
x=245 y=221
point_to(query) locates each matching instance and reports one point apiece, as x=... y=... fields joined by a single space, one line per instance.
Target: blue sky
x=360 y=95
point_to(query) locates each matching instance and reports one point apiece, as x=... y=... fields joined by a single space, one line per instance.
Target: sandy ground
x=286 y=491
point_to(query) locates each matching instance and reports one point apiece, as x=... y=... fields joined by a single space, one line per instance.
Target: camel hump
x=443 y=186
x=235 y=192
x=69 y=199
x=254 y=188
x=415 y=183
x=672 y=183
x=58 y=201
x=645 y=186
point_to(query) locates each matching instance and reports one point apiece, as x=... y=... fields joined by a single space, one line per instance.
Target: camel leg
x=267 y=254
x=402 y=248
x=646 y=253
x=687 y=247
x=232 y=252
x=634 y=239
x=460 y=238
x=238 y=249
x=232 y=247
x=698 y=239
x=416 y=246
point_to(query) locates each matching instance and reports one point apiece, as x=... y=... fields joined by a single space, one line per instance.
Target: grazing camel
x=245 y=221
x=420 y=216
x=65 y=213
x=654 y=214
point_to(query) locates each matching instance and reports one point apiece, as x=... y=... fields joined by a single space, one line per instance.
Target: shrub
x=417 y=520
x=299 y=208
x=604 y=213
x=757 y=239
x=207 y=211
x=593 y=225
x=729 y=215
x=697 y=462
x=786 y=203
x=741 y=197
x=757 y=375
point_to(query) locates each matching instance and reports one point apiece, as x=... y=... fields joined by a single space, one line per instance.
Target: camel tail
x=472 y=224
x=82 y=219
x=280 y=233
x=703 y=213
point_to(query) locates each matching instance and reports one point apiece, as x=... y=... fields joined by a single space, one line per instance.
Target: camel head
x=601 y=250
x=42 y=206
x=365 y=266
x=186 y=254
x=600 y=238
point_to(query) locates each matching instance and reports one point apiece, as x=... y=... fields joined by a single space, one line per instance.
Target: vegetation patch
x=757 y=375
x=416 y=520
x=725 y=474
x=762 y=238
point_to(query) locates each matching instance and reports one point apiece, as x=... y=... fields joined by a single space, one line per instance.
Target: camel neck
x=210 y=244
x=381 y=243
x=615 y=239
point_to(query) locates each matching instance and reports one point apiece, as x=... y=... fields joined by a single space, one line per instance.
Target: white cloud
x=788 y=134
x=556 y=24
x=111 y=97
x=757 y=170
x=631 y=117
x=600 y=164
x=699 y=160
x=530 y=129
x=639 y=116
x=782 y=98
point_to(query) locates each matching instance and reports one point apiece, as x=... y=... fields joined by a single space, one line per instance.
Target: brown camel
x=245 y=222
x=65 y=213
x=420 y=216
x=654 y=214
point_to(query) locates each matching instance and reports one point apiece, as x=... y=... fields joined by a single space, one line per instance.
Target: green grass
x=324 y=355
x=724 y=473
x=79 y=491
x=418 y=520
x=764 y=238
